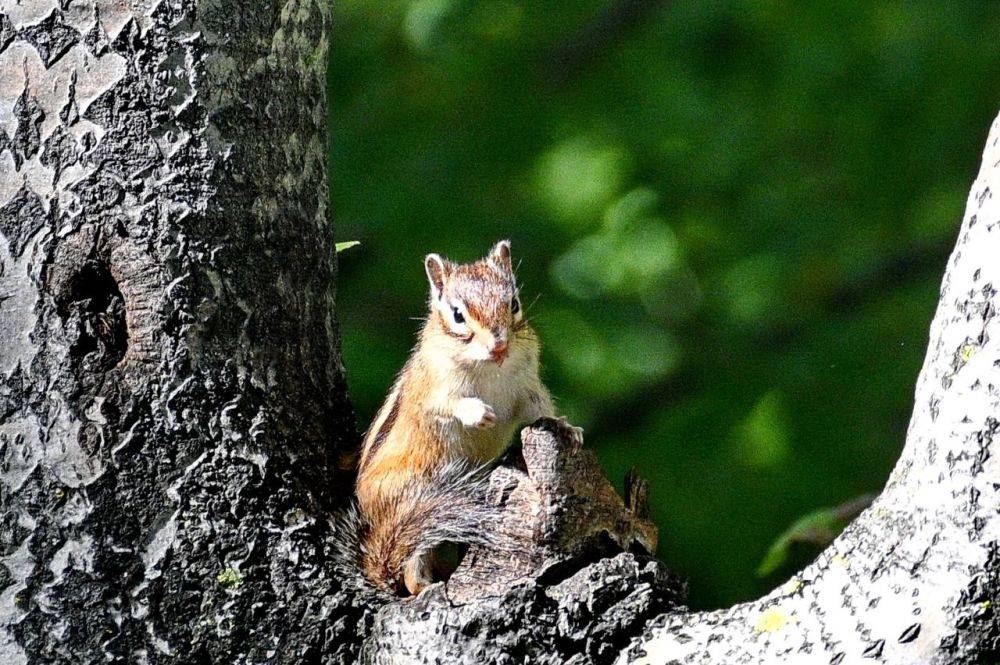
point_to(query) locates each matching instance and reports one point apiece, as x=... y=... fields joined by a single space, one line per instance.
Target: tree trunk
x=170 y=386
x=173 y=409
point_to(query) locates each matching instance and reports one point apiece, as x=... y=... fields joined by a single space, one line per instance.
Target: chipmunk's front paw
x=474 y=412
x=575 y=434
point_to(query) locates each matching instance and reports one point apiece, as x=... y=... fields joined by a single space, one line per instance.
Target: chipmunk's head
x=477 y=304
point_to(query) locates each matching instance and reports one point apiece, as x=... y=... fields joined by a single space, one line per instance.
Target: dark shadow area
x=93 y=308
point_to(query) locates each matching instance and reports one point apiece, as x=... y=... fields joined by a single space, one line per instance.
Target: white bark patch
x=23 y=13
x=20 y=564
x=18 y=299
x=20 y=450
x=23 y=74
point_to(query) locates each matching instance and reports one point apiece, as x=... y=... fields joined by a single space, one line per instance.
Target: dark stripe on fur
x=383 y=431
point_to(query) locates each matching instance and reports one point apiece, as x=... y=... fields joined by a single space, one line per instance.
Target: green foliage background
x=736 y=214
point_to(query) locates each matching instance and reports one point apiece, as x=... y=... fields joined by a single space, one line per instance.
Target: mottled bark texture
x=171 y=398
x=172 y=406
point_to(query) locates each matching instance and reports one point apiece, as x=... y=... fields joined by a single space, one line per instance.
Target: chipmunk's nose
x=498 y=352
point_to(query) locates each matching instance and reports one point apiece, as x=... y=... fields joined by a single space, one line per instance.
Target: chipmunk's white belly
x=482 y=446
x=502 y=388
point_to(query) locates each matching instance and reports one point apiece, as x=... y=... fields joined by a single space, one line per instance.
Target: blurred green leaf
x=629 y=256
x=341 y=246
x=762 y=440
x=646 y=351
x=588 y=268
x=635 y=205
x=818 y=528
x=423 y=19
x=577 y=177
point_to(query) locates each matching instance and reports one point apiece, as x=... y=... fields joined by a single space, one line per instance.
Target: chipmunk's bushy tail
x=446 y=506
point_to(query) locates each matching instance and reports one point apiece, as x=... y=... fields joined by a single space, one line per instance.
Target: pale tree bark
x=173 y=409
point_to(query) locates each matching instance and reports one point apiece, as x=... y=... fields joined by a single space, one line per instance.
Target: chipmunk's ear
x=437 y=270
x=500 y=254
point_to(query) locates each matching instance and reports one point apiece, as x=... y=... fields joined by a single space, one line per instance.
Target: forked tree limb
x=915 y=579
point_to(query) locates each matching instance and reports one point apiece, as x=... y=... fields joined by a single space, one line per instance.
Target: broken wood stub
x=557 y=512
x=562 y=539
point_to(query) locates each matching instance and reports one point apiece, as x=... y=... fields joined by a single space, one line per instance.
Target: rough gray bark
x=172 y=406
x=171 y=399
x=568 y=579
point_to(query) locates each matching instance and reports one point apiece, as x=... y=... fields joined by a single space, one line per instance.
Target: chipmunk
x=471 y=380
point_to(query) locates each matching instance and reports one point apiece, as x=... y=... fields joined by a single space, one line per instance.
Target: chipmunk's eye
x=459 y=317
x=515 y=305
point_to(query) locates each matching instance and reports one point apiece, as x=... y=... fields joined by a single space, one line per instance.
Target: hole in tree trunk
x=93 y=309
